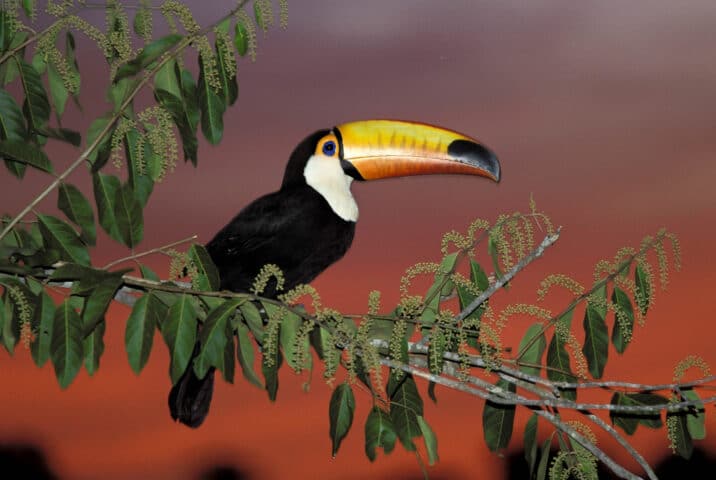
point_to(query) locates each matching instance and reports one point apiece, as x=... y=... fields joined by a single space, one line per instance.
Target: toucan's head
x=329 y=160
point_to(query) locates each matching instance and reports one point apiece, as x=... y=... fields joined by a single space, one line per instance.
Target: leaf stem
x=149 y=252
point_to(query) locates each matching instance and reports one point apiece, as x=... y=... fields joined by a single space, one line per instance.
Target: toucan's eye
x=329 y=148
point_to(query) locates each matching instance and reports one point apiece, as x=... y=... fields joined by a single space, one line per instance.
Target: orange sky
x=601 y=110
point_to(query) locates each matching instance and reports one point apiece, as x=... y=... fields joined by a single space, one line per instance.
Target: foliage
x=420 y=337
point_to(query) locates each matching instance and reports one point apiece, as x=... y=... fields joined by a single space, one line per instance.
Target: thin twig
x=500 y=282
x=149 y=252
x=622 y=441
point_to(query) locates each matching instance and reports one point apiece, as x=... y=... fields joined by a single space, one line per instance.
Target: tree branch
x=547 y=242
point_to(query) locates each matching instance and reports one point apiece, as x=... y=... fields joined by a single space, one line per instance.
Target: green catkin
x=160 y=134
x=395 y=344
x=267 y=272
x=243 y=17
x=561 y=280
x=143 y=21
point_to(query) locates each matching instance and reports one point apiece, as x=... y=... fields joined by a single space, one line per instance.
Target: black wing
x=292 y=228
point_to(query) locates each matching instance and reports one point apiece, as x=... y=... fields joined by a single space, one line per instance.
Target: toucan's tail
x=190 y=398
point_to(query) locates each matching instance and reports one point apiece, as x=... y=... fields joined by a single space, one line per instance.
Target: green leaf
x=98 y=302
x=498 y=420
x=148 y=273
x=533 y=354
x=431 y=441
x=680 y=436
x=166 y=79
x=36 y=106
x=189 y=96
x=70 y=53
x=621 y=333
x=213 y=338
x=530 y=443
x=629 y=421
x=43 y=322
x=229 y=86
x=544 y=460
x=290 y=325
x=596 y=339
x=28 y=6
x=643 y=289
x=245 y=355
x=493 y=251
x=25 y=152
x=77 y=208
x=100 y=154
x=696 y=418
x=62 y=134
x=558 y=358
x=38 y=63
x=139 y=334
x=270 y=373
x=93 y=346
x=105 y=193
x=405 y=407
x=57 y=90
x=379 y=432
x=211 y=107
x=64 y=239
x=228 y=366
x=323 y=342
x=261 y=21
x=128 y=213
x=208 y=276
x=479 y=279
x=149 y=54
x=178 y=110
x=86 y=278
x=253 y=318
x=12 y=123
x=241 y=37
x=120 y=91
x=12 y=127
x=140 y=179
x=5 y=32
x=9 y=70
x=442 y=285
x=179 y=332
x=10 y=325
x=66 y=347
x=395 y=380
x=340 y=413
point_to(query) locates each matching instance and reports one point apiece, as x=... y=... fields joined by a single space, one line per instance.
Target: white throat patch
x=325 y=175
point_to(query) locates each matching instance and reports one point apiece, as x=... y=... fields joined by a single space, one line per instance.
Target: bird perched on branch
x=309 y=223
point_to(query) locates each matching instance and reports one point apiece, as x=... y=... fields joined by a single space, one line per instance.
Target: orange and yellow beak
x=373 y=149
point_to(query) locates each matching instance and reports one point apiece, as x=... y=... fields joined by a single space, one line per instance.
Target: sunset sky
x=603 y=111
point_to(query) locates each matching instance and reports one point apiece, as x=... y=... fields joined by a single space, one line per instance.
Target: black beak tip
x=477 y=155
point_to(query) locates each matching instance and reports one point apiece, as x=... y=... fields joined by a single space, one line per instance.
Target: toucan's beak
x=374 y=149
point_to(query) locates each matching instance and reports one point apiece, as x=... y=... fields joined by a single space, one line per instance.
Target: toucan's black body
x=293 y=228
x=305 y=226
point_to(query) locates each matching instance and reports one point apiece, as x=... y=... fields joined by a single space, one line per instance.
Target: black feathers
x=293 y=228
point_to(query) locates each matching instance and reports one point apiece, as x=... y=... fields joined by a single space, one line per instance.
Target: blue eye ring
x=329 y=148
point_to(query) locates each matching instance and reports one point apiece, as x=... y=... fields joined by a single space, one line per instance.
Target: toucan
x=308 y=224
